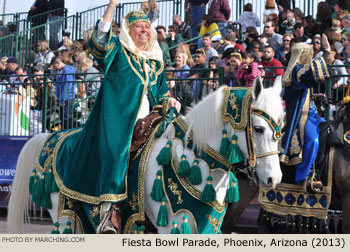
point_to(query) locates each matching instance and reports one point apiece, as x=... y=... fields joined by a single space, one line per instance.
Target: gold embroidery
x=226 y=117
x=294 y=146
x=173 y=188
x=133 y=202
x=214 y=222
x=234 y=105
x=302 y=71
x=94 y=212
x=319 y=70
x=346 y=136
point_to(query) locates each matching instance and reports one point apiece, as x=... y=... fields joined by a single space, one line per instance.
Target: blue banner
x=10 y=148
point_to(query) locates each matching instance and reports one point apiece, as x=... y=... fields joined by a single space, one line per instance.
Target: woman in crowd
x=285 y=49
x=153 y=13
x=44 y=55
x=270 y=8
x=323 y=18
x=208 y=26
x=317 y=46
x=185 y=48
x=181 y=64
x=345 y=56
x=79 y=57
x=251 y=34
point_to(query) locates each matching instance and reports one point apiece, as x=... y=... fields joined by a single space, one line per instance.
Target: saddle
x=142 y=132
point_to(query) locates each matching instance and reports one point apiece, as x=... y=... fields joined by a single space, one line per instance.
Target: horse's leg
x=19 y=198
x=246 y=194
x=341 y=173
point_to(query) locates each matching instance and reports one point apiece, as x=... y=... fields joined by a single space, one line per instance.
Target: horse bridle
x=249 y=170
x=276 y=127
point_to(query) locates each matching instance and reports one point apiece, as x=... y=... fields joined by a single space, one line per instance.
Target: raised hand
x=114 y=2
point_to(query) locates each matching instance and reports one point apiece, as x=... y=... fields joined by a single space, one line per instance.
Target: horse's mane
x=205 y=118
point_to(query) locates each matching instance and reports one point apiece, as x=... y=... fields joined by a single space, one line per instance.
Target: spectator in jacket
x=55 y=18
x=184 y=29
x=230 y=42
x=275 y=40
x=248 y=18
x=197 y=8
x=248 y=70
x=173 y=40
x=200 y=65
x=36 y=18
x=11 y=66
x=91 y=78
x=270 y=8
x=44 y=55
x=299 y=33
x=221 y=12
x=340 y=80
x=208 y=26
x=161 y=38
x=65 y=91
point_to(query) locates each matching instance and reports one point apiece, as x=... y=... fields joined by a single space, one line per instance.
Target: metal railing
x=30 y=105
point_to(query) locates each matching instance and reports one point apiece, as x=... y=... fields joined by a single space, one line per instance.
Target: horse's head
x=267 y=112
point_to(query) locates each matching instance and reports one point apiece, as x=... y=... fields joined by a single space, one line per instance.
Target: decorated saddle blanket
x=180 y=194
x=291 y=199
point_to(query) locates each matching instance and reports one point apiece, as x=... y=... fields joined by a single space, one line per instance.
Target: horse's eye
x=259 y=129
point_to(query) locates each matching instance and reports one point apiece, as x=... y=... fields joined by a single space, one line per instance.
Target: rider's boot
x=111 y=221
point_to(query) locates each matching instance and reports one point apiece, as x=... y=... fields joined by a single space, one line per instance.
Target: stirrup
x=108 y=228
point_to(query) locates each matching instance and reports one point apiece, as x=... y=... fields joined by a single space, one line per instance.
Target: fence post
x=65 y=20
x=78 y=25
x=329 y=96
x=45 y=90
x=221 y=76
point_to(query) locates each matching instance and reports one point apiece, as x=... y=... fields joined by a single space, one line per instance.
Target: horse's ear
x=257 y=88
x=277 y=85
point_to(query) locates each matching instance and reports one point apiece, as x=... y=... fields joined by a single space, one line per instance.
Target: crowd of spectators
x=235 y=46
x=245 y=54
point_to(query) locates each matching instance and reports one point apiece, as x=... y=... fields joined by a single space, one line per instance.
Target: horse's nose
x=272 y=182
x=269 y=181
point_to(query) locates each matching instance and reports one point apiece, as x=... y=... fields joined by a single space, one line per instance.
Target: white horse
x=205 y=123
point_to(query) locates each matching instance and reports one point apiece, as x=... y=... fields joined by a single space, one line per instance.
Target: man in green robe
x=92 y=163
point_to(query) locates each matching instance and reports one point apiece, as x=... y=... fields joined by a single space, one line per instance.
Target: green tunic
x=92 y=163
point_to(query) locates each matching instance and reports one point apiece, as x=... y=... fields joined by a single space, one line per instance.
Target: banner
x=10 y=148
